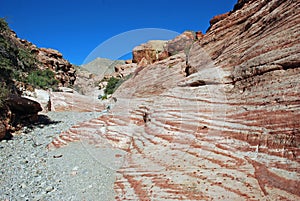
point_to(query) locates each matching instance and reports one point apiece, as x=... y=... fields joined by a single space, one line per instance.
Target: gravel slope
x=29 y=171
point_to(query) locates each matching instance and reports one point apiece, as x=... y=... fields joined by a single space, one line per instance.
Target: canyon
x=217 y=122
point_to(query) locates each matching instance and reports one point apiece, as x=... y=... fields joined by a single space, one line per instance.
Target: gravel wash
x=78 y=171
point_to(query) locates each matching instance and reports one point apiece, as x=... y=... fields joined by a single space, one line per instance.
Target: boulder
x=181 y=43
x=40 y=96
x=199 y=35
x=23 y=106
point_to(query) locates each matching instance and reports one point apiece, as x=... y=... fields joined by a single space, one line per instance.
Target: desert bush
x=42 y=79
x=104 y=97
x=28 y=60
x=111 y=85
x=3 y=94
x=3 y=24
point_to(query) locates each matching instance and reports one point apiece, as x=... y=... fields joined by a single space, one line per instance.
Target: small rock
x=49 y=189
x=3 y=141
x=23 y=185
x=73 y=173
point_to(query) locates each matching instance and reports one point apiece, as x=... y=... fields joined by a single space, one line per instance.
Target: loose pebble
x=26 y=171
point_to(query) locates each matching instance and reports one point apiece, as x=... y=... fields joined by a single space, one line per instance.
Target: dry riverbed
x=78 y=171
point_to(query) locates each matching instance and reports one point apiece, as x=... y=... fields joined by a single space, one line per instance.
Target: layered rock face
x=221 y=123
x=62 y=101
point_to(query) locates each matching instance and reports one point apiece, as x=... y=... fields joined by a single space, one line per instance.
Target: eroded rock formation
x=50 y=59
x=53 y=59
x=182 y=42
x=222 y=125
x=153 y=50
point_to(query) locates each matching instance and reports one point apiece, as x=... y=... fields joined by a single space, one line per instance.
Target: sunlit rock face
x=65 y=101
x=221 y=123
x=53 y=59
x=151 y=51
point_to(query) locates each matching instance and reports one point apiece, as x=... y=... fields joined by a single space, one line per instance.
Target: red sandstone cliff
x=222 y=122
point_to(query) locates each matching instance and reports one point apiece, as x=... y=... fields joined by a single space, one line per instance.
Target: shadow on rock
x=42 y=120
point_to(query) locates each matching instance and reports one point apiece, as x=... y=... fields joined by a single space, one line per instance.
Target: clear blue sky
x=76 y=27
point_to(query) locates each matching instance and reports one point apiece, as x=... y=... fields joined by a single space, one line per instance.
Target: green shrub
x=28 y=59
x=15 y=59
x=3 y=93
x=42 y=79
x=3 y=24
x=111 y=85
x=104 y=97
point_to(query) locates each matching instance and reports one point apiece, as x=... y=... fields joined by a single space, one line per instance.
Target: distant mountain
x=102 y=66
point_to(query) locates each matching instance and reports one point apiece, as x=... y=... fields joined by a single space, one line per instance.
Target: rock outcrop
x=53 y=59
x=86 y=82
x=221 y=125
x=126 y=69
x=182 y=42
x=40 y=96
x=157 y=50
x=50 y=59
x=153 y=50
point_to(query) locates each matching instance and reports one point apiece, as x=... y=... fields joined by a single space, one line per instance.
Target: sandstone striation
x=221 y=123
x=62 y=101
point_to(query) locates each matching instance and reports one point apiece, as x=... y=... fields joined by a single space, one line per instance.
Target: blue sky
x=76 y=28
